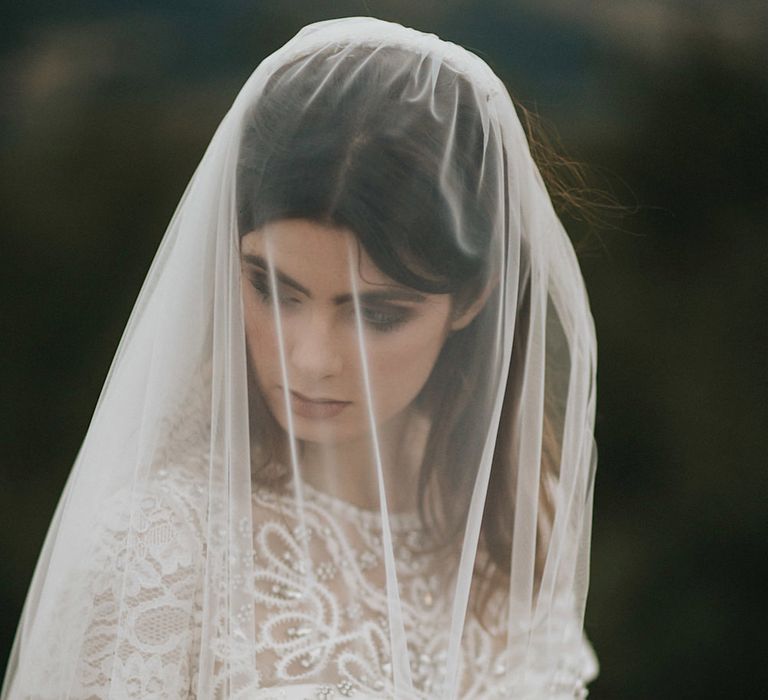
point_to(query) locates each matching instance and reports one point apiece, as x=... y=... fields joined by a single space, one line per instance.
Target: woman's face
x=403 y=330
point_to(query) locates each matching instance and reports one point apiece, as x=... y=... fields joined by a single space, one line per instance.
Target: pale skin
x=403 y=333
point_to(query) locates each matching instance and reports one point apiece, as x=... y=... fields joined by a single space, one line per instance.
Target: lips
x=317 y=408
x=311 y=399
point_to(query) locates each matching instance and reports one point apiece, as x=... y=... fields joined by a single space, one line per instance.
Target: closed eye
x=261 y=285
x=385 y=320
x=378 y=319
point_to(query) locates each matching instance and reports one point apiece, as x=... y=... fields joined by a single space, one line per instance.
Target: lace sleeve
x=140 y=636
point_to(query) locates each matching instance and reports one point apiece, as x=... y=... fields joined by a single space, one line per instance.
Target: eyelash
x=265 y=293
x=383 y=322
x=379 y=321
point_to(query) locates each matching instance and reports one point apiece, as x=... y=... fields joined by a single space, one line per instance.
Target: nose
x=312 y=348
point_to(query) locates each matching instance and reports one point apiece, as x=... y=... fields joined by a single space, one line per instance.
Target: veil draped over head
x=345 y=448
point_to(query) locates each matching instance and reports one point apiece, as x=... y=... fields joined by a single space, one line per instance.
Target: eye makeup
x=383 y=320
x=380 y=317
x=260 y=283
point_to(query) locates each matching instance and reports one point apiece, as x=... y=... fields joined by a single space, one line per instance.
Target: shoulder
x=159 y=510
x=551 y=656
x=151 y=533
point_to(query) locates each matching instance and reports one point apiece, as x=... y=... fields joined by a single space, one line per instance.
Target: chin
x=324 y=431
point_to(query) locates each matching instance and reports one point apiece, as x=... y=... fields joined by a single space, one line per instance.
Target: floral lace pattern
x=318 y=593
x=138 y=643
x=327 y=629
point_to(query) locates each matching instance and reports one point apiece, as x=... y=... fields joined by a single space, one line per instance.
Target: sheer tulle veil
x=345 y=447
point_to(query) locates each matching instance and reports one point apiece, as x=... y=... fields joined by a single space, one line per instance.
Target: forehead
x=315 y=254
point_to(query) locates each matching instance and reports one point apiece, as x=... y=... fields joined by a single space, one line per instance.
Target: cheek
x=401 y=365
x=259 y=332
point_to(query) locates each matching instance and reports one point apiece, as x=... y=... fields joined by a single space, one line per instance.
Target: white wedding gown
x=325 y=640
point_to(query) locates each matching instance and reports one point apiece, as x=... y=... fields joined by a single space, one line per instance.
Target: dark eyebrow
x=391 y=294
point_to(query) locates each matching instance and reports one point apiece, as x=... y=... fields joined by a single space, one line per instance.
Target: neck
x=349 y=470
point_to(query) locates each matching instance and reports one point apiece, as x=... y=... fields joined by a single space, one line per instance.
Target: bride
x=345 y=446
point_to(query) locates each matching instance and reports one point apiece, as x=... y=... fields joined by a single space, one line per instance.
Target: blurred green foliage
x=108 y=111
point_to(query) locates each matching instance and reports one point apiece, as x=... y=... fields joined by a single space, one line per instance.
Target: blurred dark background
x=108 y=106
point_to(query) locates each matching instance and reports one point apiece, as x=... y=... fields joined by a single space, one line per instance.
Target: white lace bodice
x=327 y=639
x=321 y=636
